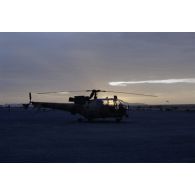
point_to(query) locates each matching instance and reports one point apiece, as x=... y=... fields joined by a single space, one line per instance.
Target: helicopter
x=90 y=107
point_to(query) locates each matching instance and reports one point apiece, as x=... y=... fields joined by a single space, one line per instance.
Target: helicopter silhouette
x=90 y=107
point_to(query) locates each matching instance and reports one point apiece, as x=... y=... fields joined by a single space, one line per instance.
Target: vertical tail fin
x=30 y=97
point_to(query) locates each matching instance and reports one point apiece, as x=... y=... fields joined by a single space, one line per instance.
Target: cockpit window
x=110 y=102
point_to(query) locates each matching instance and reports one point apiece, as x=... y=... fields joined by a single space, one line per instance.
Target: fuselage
x=91 y=109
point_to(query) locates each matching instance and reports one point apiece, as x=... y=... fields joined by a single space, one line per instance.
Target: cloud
x=167 y=81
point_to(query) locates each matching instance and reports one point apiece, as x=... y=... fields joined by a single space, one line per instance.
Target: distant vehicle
x=90 y=107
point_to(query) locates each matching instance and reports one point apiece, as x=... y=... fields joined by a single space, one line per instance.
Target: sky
x=161 y=64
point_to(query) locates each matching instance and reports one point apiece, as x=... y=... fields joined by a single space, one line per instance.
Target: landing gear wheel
x=90 y=120
x=118 y=120
x=80 y=120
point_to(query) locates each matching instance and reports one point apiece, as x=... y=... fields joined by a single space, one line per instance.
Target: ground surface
x=147 y=136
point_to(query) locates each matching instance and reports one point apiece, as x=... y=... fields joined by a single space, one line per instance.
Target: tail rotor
x=30 y=98
x=30 y=101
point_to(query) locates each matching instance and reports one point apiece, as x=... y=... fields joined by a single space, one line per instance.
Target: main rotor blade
x=67 y=92
x=50 y=92
x=139 y=94
x=97 y=90
x=60 y=92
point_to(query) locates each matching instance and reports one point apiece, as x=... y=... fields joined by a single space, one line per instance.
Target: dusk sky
x=141 y=62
